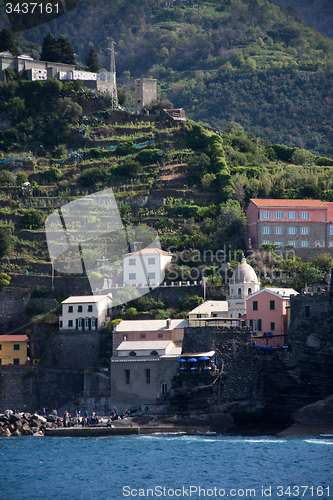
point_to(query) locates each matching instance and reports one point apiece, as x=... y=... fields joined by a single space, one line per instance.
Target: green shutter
x=77 y=324
x=259 y=325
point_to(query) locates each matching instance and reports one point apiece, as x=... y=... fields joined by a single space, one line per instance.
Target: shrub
x=92 y=175
x=53 y=174
x=6 y=177
x=125 y=148
x=283 y=152
x=21 y=178
x=149 y=156
x=4 y=279
x=5 y=241
x=33 y=218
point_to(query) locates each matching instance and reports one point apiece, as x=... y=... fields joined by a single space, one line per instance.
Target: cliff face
x=262 y=389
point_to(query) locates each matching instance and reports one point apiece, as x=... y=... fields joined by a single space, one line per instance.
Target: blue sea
x=165 y=466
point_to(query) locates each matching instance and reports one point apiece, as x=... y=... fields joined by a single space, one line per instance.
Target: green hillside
x=243 y=60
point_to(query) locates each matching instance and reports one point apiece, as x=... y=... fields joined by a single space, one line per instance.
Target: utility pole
x=113 y=74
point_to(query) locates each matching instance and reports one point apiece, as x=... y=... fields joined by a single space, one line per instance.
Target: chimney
x=168 y=323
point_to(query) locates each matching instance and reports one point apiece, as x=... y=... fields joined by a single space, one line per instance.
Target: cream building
x=85 y=312
x=243 y=283
x=209 y=313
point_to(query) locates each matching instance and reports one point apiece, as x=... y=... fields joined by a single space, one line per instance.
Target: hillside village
x=238 y=266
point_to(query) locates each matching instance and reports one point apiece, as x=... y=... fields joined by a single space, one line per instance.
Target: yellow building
x=13 y=349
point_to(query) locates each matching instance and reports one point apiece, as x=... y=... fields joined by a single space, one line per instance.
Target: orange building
x=296 y=223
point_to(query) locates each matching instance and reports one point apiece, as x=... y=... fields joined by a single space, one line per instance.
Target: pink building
x=297 y=223
x=266 y=314
x=150 y=330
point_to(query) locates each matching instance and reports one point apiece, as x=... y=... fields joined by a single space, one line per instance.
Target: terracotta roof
x=149 y=251
x=288 y=203
x=14 y=338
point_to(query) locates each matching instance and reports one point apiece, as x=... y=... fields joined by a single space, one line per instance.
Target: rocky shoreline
x=23 y=424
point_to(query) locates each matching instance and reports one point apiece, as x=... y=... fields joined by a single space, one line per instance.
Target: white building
x=85 y=312
x=145 y=267
x=207 y=312
x=243 y=283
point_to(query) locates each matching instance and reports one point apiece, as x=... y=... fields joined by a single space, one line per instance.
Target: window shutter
x=259 y=325
x=77 y=324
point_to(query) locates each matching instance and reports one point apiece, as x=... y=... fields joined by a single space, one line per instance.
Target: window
x=90 y=308
x=143 y=335
x=132 y=353
x=305 y=243
x=154 y=353
x=319 y=243
x=132 y=276
x=292 y=230
x=330 y=244
x=151 y=261
x=278 y=215
x=80 y=324
x=278 y=230
x=249 y=291
x=79 y=309
x=239 y=293
x=0 y=347
x=86 y=324
x=257 y=325
x=16 y=361
x=16 y=347
x=305 y=230
x=151 y=276
x=266 y=242
x=304 y=215
x=279 y=244
x=70 y=323
x=272 y=326
x=70 y=309
x=0 y=361
x=251 y=324
x=160 y=335
x=255 y=305
x=272 y=305
x=148 y=376
x=131 y=262
x=93 y=323
x=307 y=311
x=127 y=377
x=292 y=215
x=164 y=388
x=265 y=214
x=292 y=243
x=265 y=230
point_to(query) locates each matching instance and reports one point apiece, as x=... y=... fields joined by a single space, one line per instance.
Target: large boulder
x=313 y=419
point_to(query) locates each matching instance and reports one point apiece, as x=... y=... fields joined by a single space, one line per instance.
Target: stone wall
x=28 y=389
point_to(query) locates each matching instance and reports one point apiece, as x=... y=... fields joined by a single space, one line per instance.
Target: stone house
x=208 y=313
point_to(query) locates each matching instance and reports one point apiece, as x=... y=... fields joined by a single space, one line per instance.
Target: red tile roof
x=288 y=203
x=150 y=251
x=14 y=338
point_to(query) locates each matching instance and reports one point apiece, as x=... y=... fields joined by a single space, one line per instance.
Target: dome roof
x=244 y=273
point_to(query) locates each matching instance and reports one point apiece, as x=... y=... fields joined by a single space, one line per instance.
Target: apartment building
x=145 y=267
x=85 y=312
x=293 y=223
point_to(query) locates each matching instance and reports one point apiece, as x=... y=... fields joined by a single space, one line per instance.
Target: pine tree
x=67 y=53
x=59 y=50
x=50 y=50
x=92 y=60
x=7 y=42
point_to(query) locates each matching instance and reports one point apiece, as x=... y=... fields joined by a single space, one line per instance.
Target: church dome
x=244 y=273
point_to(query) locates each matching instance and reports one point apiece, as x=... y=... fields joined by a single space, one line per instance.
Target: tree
x=92 y=60
x=5 y=241
x=7 y=42
x=324 y=262
x=312 y=275
x=59 y=50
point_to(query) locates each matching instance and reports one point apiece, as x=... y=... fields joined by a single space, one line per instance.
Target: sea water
x=165 y=466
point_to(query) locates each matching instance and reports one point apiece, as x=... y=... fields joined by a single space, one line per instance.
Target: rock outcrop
x=23 y=424
x=316 y=418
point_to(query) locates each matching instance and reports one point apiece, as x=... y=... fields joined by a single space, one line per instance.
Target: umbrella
x=192 y=360
x=204 y=358
x=181 y=360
